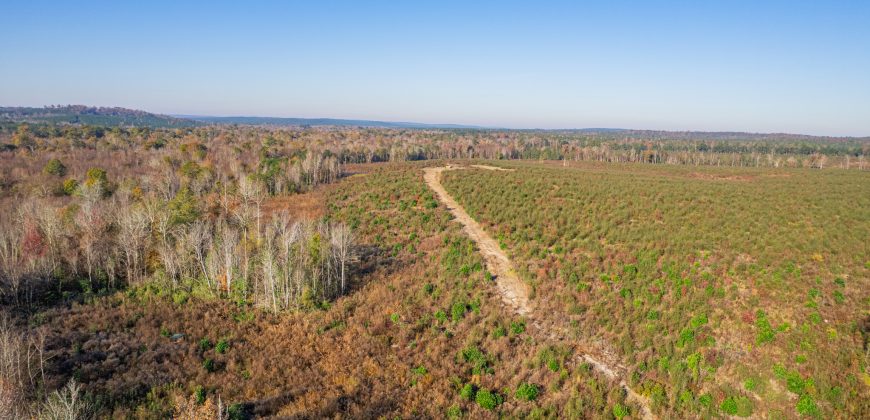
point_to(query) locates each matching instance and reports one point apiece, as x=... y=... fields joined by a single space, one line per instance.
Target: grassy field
x=725 y=291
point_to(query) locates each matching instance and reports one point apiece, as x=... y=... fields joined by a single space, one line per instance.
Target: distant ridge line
x=337 y=122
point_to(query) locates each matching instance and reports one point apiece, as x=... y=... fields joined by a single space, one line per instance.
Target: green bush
x=499 y=332
x=806 y=406
x=518 y=327
x=478 y=360
x=750 y=384
x=70 y=186
x=441 y=316
x=765 y=330
x=221 y=347
x=95 y=176
x=457 y=311
x=205 y=344
x=527 y=392
x=553 y=365
x=488 y=399
x=55 y=167
x=794 y=382
x=199 y=392
x=237 y=412
x=208 y=365
x=729 y=406
x=468 y=392
x=620 y=411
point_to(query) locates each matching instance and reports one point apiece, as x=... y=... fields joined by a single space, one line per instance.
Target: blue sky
x=781 y=66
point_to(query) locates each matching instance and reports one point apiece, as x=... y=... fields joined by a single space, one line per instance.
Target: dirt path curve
x=514 y=291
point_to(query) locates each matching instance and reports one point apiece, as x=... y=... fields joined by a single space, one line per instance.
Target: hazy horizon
x=781 y=67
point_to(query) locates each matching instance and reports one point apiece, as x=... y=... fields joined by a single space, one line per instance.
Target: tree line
x=368 y=145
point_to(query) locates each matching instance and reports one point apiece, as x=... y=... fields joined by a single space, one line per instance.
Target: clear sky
x=782 y=66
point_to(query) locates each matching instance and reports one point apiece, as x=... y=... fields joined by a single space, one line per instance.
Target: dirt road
x=514 y=291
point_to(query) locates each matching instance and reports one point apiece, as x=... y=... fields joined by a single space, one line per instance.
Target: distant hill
x=122 y=117
x=86 y=115
x=278 y=121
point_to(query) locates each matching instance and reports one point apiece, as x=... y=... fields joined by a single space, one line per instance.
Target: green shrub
x=97 y=177
x=553 y=365
x=698 y=321
x=687 y=335
x=457 y=311
x=180 y=297
x=208 y=365
x=465 y=270
x=454 y=412
x=806 y=406
x=468 y=392
x=70 y=186
x=527 y=392
x=729 y=406
x=765 y=330
x=205 y=344
x=739 y=406
x=55 y=167
x=428 y=288
x=475 y=306
x=794 y=382
x=419 y=370
x=686 y=398
x=488 y=399
x=620 y=411
x=222 y=347
x=518 y=327
x=750 y=384
x=441 y=316
x=499 y=332
x=237 y=412
x=478 y=360
x=199 y=393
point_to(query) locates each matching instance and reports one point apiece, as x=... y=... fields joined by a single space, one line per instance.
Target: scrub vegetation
x=241 y=272
x=726 y=291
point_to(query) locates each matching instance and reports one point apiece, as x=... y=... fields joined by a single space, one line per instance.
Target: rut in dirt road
x=513 y=290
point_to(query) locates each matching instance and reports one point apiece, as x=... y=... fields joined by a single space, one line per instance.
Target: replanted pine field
x=723 y=291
